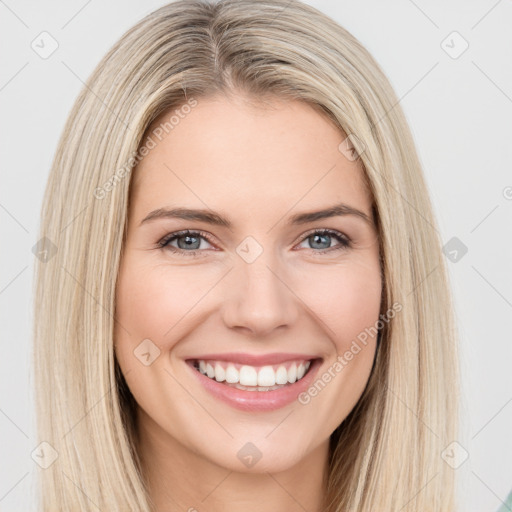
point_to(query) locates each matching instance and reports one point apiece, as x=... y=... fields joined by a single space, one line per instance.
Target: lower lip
x=254 y=401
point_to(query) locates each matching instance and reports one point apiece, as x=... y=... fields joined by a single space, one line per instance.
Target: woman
x=195 y=347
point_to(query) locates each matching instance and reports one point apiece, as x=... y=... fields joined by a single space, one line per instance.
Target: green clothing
x=507 y=506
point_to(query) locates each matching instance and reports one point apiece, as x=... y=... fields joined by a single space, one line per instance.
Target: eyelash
x=344 y=241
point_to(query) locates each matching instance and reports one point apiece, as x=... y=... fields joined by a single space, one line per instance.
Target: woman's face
x=210 y=324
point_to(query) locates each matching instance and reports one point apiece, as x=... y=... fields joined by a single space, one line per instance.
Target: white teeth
x=220 y=373
x=281 y=375
x=254 y=388
x=264 y=378
x=248 y=376
x=292 y=373
x=232 y=375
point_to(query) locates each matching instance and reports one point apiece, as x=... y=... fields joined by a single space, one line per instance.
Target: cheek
x=346 y=299
x=151 y=302
x=347 y=303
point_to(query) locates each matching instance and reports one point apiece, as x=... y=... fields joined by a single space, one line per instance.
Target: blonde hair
x=386 y=455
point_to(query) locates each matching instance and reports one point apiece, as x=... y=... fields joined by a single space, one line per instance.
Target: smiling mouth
x=253 y=378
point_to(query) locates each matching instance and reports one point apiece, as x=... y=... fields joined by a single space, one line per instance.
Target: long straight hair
x=386 y=455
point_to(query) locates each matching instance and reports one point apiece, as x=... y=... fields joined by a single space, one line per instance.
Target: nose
x=258 y=298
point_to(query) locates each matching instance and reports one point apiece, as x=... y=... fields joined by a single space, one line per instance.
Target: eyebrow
x=216 y=219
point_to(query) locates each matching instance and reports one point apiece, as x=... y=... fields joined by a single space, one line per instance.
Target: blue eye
x=189 y=242
x=186 y=240
x=320 y=237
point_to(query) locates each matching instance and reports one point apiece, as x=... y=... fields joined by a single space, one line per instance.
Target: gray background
x=459 y=108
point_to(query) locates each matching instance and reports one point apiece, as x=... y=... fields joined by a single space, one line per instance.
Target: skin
x=257 y=166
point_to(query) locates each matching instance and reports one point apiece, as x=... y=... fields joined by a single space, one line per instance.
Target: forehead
x=229 y=150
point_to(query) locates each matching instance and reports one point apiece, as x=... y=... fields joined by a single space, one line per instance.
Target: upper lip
x=253 y=359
